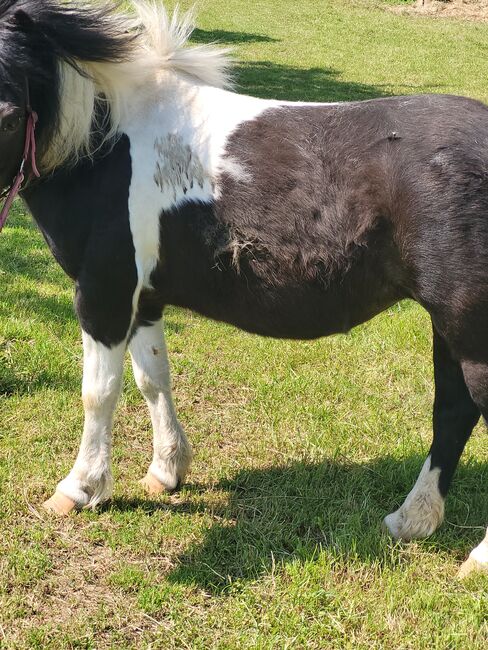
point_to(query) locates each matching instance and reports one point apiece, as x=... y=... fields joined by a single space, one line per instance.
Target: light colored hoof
x=407 y=525
x=151 y=484
x=470 y=567
x=390 y=526
x=59 y=504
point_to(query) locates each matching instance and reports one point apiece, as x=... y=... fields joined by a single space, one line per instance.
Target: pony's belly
x=293 y=313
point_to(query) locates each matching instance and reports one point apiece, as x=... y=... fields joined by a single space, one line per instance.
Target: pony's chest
x=165 y=171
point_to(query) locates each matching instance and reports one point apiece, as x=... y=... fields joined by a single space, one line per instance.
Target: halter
x=29 y=155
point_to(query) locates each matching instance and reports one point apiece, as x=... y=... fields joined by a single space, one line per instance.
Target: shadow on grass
x=224 y=37
x=13 y=384
x=20 y=249
x=276 y=81
x=288 y=514
x=59 y=309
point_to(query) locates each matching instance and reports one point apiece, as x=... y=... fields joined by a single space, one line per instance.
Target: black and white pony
x=159 y=187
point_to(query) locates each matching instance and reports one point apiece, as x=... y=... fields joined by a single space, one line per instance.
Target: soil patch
x=464 y=9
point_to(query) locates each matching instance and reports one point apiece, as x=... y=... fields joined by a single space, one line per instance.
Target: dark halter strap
x=29 y=155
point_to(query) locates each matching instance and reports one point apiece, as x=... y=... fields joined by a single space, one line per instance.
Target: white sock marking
x=172 y=453
x=423 y=509
x=90 y=480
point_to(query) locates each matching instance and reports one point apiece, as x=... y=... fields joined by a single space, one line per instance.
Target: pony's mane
x=104 y=56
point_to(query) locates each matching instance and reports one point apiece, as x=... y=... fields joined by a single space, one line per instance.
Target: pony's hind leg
x=90 y=480
x=476 y=376
x=455 y=415
x=171 y=450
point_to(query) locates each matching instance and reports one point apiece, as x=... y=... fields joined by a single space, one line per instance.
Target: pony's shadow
x=287 y=514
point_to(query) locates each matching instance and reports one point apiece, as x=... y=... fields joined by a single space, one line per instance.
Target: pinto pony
x=160 y=187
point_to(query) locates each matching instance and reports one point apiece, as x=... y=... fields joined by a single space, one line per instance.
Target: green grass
x=301 y=448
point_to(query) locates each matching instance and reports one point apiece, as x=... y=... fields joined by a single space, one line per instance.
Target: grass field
x=300 y=448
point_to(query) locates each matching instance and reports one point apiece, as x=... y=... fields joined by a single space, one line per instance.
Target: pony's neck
x=91 y=108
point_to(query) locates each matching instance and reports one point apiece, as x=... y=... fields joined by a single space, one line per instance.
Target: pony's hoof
x=470 y=567
x=59 y=504
x=151 y=484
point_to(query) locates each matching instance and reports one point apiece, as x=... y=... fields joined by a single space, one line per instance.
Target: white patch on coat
x=171 y=450
x=90 y=480
x=423 y=509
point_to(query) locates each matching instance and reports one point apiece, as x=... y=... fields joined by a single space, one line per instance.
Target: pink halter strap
x=28 y=155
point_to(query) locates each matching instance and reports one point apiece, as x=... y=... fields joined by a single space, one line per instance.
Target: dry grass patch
x=60 y=588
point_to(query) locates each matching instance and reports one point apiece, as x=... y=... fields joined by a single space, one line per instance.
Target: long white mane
x=161 y=46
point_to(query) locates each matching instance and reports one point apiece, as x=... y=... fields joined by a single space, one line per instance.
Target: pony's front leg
x=171 y=450
x=90 y=480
